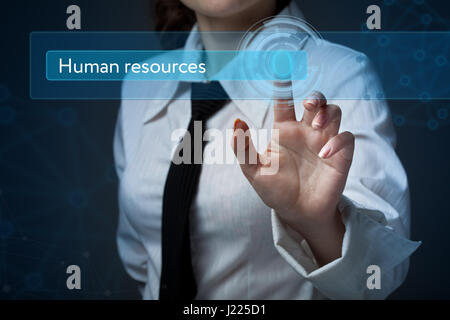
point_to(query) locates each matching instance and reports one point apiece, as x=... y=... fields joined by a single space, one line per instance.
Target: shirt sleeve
x=375 y=204
x=367 y=241
x=130 y=247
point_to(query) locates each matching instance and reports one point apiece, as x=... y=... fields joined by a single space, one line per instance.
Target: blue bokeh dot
x=399 y=120
x=7 y=115
x=383 y=41
x=419 y=55
x=426 y=19
x=441 y=60
x=442 y=113
x=405 y=80
x=425 y=97
x=67 y=117
x=432 y=124
x=78 y=199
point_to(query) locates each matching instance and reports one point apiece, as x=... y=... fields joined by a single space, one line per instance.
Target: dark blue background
x=58 y=202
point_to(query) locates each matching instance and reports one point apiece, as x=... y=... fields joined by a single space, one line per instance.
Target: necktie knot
x=207 y=99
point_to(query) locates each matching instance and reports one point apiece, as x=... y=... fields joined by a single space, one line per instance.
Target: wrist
x=323 y=234
x=313 y=224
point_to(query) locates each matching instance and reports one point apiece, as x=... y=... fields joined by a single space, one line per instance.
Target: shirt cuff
x=367 y=241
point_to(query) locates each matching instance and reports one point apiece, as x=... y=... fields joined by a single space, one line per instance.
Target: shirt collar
x=254 y=110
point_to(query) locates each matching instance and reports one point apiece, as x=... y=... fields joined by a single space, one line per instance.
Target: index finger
x=283 y=102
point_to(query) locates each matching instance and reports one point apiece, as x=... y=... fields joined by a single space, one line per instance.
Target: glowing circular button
x=282 y=65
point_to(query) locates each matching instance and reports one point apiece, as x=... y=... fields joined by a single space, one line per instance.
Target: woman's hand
x=313 y=164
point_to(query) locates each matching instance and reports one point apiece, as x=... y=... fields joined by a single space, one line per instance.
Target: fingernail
x=236 y=122
x=325 y=152
x=320 y=120
x=311 y=99
x=311 y=102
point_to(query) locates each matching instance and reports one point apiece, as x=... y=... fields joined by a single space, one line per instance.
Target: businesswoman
x=332 y=222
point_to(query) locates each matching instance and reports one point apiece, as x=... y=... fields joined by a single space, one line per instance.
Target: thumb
x=244 y=148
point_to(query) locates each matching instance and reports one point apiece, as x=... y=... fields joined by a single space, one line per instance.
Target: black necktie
x=177 y=276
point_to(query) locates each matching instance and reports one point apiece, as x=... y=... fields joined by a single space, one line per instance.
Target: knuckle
x=318 y=95
x=321 y=97
x=315 y=99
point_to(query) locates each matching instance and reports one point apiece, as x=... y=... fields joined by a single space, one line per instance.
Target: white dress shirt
x=240 y=249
